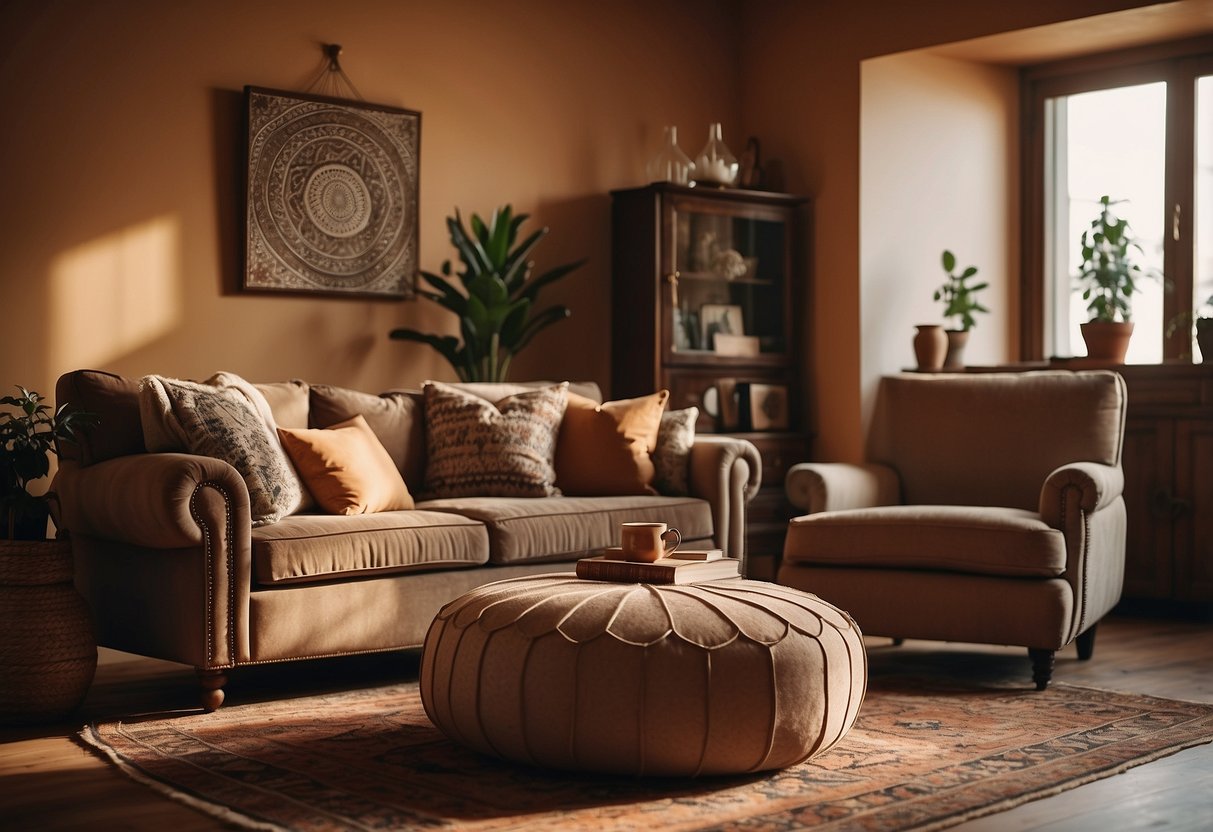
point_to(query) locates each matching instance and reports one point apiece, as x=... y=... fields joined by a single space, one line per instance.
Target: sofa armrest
x=163 y=549
x=150 y=499
x=1085 y=486
x=726 y=471
x=834 y=486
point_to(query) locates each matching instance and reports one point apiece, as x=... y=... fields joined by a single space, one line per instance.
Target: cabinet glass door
x=726 y=298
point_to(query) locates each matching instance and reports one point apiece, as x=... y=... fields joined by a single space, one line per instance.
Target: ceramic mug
x=646 y=542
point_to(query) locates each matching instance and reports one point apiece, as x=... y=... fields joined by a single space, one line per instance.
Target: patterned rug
x=921 y=756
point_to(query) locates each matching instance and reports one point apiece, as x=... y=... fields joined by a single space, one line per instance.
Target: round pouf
x=680 y=680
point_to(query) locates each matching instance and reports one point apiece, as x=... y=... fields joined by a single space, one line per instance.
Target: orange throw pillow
x=346 y=468
x=604 y=449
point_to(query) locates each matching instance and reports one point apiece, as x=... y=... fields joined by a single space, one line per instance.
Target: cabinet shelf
x=711 y=277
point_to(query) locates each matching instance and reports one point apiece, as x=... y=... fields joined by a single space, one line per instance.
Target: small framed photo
x=719 y=318
x=768 y=406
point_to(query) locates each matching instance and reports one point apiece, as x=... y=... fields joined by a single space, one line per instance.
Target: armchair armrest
x=1086 y=486
x=834 y=486
x=150 y=499
x=726 y=471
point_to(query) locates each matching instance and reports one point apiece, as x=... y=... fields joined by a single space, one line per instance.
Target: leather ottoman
x=680 y=680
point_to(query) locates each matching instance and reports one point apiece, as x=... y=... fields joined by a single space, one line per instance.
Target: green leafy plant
x=959 y=298
x=28 y=432
x=1108 y=274
x=494 y=297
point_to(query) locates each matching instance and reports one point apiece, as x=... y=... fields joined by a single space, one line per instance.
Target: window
x=1140 y=132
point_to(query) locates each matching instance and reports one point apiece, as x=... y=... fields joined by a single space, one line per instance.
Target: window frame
x=1175 y=63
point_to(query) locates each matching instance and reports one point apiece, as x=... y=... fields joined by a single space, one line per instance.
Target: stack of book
x=684 y=566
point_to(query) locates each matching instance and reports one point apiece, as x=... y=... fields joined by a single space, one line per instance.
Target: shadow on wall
x=228 y=152
x=578 y=348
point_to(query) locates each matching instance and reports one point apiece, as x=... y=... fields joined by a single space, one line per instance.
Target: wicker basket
x=47 y=651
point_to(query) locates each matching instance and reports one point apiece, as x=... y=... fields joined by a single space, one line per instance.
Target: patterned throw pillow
x=475 y=448
x=223 y=420
x=673 y=454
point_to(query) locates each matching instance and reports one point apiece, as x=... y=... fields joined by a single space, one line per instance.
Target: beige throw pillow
x=672 y=457
x=475 y=448
x=224 y=418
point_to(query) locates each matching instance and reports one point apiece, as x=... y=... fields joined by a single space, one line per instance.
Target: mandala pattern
x=332 y=195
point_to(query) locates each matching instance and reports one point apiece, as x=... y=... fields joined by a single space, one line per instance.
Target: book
x=616 y=553
x=662 y=571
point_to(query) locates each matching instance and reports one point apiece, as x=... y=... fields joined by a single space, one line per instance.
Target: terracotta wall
x=122 y=152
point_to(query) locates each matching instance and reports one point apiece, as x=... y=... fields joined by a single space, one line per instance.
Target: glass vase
x=716 y=164
x=671 y=164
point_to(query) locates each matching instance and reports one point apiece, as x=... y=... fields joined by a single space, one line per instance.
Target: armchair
x=989 y=511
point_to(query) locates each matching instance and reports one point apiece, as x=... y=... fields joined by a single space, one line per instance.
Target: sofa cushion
x=321 y=547
x=565 y=528
x=395 y=417
x=477 y=448
x=288 y=401
x=984 y=540
x=346 y=469
x=225 y=418
x=672 y=456
x=604 y=449
x=115 y=401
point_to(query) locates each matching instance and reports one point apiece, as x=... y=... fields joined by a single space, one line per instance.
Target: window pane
x=1202 y=218
x=1109 y=142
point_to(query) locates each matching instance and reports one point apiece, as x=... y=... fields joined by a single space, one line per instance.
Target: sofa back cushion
x=288 y=401
x=992 y=439
x=395 y=417
x=115 y=401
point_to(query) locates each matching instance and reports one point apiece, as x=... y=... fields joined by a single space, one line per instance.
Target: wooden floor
x=48 y=782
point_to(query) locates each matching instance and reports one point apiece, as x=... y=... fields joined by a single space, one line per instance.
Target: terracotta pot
x=930 y=347
x=957 y=339
x=1204 y=338
x=1107 y=340
x=47 y=650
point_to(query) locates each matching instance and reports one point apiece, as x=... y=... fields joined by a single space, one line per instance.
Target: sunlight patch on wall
x=114 y=295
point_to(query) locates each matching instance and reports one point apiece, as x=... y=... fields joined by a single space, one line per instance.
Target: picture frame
x=331 y=196
x=719 y=317
x=767 y=406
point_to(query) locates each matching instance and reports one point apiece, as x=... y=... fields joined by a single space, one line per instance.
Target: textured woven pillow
x=225 y=418
x=672 y=457
x=475 y=448
x=603 y=449
x=346 y=468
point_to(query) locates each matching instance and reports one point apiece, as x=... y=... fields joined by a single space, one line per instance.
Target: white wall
x=939 y=168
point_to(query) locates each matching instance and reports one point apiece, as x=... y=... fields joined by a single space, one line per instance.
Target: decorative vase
x=930 y=347
x=1204 y=338
x=716 y=164
x=670 y=164
x=1107 y=340
x=47 y=651
x=957 y=340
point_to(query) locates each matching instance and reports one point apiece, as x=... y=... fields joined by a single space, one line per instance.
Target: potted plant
x=1202 y=321
x=960 y=302
x=46 y=634
x=1107 y=276
x=498 y=292
x=28 y=433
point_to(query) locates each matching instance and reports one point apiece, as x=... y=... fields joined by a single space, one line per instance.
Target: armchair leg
x=211 y=682
x=1086 y=643
x=1042 y=666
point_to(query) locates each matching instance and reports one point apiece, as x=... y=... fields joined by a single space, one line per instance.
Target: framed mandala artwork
x=331 y=195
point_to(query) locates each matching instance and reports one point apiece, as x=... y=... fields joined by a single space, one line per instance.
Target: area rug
x=921 y=756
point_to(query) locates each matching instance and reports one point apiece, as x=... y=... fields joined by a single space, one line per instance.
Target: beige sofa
x=173 y=568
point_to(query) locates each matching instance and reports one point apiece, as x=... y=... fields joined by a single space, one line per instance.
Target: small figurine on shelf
x=751 y=165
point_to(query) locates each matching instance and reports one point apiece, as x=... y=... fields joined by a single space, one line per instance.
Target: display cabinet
x=703 y=297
